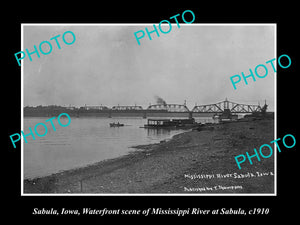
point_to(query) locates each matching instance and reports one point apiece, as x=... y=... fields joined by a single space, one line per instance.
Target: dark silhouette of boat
x=116 y=124
x=169 y=124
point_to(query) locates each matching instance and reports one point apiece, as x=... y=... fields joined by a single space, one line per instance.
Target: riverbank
x=192 y=162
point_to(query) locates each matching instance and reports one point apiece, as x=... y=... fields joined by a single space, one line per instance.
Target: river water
x=85 y=141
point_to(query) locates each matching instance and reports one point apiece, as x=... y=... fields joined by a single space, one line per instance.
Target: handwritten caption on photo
x=218 y=187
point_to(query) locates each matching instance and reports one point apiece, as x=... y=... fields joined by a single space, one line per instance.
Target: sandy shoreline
x=191 y=162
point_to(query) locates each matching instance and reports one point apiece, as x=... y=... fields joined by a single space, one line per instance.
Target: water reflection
x=158 y=132
x=85 y=141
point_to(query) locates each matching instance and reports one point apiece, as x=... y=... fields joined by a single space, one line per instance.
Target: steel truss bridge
x=226 y=106
x=169 y=107
x=135 y=107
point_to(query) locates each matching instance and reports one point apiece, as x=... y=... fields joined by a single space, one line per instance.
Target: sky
x=105 y=65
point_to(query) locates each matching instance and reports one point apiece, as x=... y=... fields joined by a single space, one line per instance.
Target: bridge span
x=227 y=106
x=158 y=110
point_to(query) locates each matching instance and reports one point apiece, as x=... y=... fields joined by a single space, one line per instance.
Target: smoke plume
x=159 y=100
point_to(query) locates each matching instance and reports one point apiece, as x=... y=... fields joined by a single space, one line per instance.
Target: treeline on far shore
x=53 y=110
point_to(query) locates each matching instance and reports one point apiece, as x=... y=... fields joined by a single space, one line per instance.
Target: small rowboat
x=116 y=124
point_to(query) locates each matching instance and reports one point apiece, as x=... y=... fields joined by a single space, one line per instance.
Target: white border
x=275 y=111
x=159 y=194
x=22 y=115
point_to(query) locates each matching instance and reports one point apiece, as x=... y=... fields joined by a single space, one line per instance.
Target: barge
x=171 y=123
